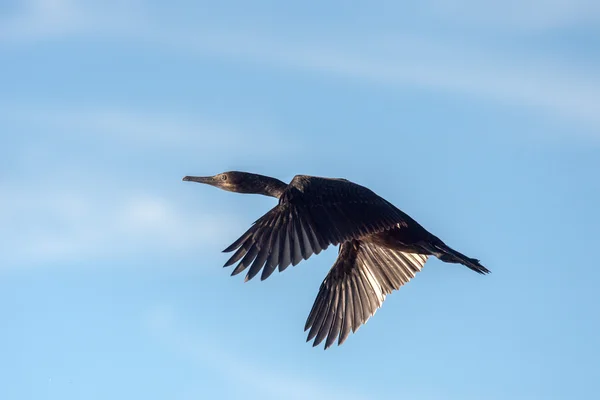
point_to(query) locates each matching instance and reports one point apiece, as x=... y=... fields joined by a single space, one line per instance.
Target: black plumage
x=381 y=247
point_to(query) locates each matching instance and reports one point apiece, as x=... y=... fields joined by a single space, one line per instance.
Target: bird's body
x=381 y=247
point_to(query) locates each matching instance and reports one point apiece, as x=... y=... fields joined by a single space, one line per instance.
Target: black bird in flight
x=381 y=248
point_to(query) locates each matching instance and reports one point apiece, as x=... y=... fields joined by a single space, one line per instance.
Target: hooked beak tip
x=200 y=179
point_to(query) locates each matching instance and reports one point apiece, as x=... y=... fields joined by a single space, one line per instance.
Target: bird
x=381 y=248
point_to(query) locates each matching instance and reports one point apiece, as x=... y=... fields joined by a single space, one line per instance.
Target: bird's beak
x=209 y=180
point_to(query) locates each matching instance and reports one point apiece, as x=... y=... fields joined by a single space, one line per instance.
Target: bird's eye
x=223 y=177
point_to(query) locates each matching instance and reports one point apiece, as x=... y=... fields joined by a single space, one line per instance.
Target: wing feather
x=356 y=287
x=313 y=213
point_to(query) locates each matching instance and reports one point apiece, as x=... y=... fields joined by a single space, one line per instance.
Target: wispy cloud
x=152 y=129
x=35 y=20
x=545 y=85
x=163 y=323
x=56 y=210
x=46 y=226
x=554 y=88
x=510 y=15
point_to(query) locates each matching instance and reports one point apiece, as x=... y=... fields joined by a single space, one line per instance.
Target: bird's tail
x=448 y=254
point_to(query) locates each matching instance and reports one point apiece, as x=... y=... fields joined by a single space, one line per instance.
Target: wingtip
x=481 y=269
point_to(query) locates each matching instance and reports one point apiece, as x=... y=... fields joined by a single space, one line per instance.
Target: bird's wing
x=312 y=214
x=356 y=287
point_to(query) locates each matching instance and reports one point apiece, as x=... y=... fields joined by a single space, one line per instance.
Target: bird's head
x=233 y=181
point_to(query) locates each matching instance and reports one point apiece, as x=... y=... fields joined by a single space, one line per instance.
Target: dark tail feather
x=452 y=256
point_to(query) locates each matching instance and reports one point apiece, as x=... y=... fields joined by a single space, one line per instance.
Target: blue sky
x=481 y=120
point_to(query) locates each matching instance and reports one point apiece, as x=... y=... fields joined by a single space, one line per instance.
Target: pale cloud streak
x=54 y=210
x=54 y=225
x=38 y=20
x=154 y=129
x=544 y=84
x=515 y=16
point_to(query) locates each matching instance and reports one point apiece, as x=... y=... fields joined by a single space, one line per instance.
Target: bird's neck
x=271 y=187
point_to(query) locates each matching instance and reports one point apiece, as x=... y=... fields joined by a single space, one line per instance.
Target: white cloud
x=60 y=209
x=546 y=85
x=42 y=226
x=37 y=20
x=153 y=129
x=54 y=211
x=563 y=89
x=165 y=326
x=521 y=15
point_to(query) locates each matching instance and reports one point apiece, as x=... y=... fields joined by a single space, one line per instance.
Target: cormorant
x=381 y=248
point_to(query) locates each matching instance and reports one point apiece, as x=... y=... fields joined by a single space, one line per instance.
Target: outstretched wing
x=312 y=214
x=356 y=287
